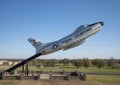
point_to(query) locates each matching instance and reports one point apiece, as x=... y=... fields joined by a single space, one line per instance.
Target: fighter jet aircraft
x=76 y=38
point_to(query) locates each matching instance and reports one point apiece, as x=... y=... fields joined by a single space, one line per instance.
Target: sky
x=50 y=20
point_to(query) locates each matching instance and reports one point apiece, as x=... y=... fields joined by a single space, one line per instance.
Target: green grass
x=104 y=79
x=95 y=69
x=82 y=69
x=91 y=80
x=72 y=68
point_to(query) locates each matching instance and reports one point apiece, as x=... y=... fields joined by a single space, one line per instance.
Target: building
x=9 y=62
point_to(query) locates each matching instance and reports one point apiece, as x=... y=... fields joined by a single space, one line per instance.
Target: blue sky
x=49 y=20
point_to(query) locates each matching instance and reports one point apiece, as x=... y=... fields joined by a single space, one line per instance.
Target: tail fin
x=35 y=43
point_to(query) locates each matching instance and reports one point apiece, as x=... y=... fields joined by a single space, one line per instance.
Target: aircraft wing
x=74 y=44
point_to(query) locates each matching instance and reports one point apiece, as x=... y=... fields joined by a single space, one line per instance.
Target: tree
x=6 y=63
x=65 y=61
x=111 y=62
x=119 y=61
x=52 y=62
x=99 y=63
x=77 y=63
x=86 y=62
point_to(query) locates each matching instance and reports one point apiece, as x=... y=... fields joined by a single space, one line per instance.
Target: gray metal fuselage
x=76 y=38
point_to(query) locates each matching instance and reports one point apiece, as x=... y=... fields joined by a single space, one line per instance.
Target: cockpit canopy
x=80 y=28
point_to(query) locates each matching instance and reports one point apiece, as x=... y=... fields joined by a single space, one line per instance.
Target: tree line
x=78 y=63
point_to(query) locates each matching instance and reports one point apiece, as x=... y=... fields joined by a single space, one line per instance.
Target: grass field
x=82 y=69
x=70 y=68
x=91 y=80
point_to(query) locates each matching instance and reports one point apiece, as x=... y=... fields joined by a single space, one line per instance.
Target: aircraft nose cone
x=102 y=23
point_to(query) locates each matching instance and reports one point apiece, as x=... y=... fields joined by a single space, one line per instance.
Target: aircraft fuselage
x=76 y=38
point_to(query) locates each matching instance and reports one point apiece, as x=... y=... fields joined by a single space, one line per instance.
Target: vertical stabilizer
x=34 y=43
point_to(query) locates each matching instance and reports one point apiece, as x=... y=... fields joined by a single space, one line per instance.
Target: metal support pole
x=26 y=71
x=23 y=68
